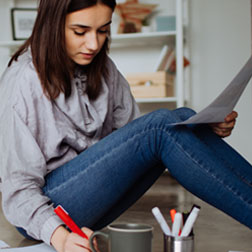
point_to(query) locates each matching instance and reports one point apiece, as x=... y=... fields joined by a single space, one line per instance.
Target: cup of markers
x=180 y=238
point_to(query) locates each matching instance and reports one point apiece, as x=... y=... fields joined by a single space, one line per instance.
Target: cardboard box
x=151 y=85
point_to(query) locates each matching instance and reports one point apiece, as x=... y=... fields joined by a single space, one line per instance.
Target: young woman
x=68 y=134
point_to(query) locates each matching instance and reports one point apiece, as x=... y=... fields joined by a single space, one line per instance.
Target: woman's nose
x=92 y=42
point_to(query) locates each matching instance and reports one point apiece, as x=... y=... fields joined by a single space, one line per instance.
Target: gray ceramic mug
x=126 y=237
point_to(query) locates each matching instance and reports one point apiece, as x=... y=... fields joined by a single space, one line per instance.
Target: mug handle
x=93 y=236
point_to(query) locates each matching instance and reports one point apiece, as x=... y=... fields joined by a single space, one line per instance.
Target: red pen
x=64 y=216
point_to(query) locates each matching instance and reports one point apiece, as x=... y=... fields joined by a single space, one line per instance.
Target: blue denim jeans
x=106 y=179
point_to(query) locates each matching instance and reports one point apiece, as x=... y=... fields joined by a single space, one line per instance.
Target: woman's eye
x=103 y=31
x=79 y=33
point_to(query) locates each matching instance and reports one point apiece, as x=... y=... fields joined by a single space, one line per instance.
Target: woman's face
x=86 y=31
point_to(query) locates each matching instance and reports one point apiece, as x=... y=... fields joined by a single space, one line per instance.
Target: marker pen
x=177 y=224
x=161 y=220
x=190 y=221
x=172 y=214
x=62 y=213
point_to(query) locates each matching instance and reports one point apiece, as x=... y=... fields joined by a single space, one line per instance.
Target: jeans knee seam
x=208 y=172
x=100 y=159
x=231 y=168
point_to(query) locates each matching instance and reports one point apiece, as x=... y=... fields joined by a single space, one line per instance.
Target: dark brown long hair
x=47 y=43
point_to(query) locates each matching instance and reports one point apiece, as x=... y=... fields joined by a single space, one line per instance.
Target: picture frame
x=22 y=20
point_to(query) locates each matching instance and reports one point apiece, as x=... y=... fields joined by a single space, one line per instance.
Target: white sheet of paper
x=226 y=101
x=3 y=245
x=34 y=248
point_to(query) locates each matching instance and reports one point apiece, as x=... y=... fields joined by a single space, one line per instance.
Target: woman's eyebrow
x=86 y=26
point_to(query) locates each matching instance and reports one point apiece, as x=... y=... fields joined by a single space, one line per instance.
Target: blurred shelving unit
x=119 y=41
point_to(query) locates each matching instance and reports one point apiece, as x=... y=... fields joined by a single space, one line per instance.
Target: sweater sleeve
x=125 y=108
x=22 y=173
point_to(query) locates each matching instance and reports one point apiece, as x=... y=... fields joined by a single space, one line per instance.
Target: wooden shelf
x=143 y=38
x=11 y=44
x=120 y=39
x=156 y=100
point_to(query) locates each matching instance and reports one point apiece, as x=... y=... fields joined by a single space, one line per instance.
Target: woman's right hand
x=64 y=241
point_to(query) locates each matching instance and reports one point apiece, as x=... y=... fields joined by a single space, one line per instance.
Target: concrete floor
x=214 y=231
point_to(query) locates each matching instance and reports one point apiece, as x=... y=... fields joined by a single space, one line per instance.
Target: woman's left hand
x=224 y=129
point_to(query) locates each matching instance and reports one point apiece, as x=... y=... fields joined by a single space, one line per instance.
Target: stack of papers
x=34 y=248
x=226 y=101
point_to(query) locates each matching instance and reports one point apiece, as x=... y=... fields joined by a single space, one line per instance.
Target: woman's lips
x=87 y=55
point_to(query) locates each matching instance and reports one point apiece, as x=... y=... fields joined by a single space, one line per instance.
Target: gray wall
x=220 y=43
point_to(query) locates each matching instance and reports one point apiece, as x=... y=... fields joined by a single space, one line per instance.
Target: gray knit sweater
x=38 y=135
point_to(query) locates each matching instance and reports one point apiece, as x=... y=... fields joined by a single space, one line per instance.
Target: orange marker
x=172 y=213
